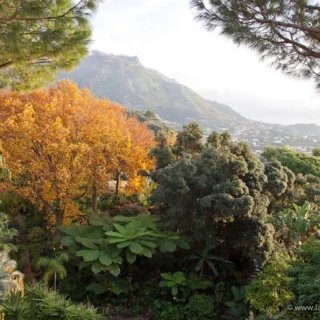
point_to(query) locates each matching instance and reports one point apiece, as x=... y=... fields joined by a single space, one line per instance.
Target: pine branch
x=16 y=18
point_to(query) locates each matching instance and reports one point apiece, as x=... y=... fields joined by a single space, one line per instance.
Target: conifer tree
x=220 y=195
x=288 y=31
x=40 y=38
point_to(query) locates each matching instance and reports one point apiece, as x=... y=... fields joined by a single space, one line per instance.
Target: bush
x=41 y=304
x=200 y=307
x=269 y=292
x=165 y=310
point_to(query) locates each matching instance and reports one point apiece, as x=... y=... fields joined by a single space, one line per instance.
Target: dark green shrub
x=164 y=310
x=200 y=307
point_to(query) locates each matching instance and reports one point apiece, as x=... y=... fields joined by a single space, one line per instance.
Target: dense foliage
x=37 y=41
x=217 y=190
x=298 y=162
x=115 y=210
x=98 y=142
x=105 y=241
x=40 y=303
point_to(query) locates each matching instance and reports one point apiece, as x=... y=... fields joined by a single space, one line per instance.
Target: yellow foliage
x=62 y=142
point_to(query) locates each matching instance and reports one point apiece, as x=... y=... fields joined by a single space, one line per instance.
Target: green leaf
x=107 y=227
x=96 y=267
x=213 y=268
x=183 y=244
x=100 y=221
x=89 y=255
x=87 y=243
x=147 y=243
x=120 y=229
x=114 y=270
x=147 y=253
x=115 y=234
x=123 y=244
x=131 y=257
x=136 y=248
x=105 y=259
x=122 y=219
x=116 y=259
x=174 y=290
x=68 y=241
x=116 y=240
x=168 y=246
x=198 y=265
x=166 y=276
x=119 y=286
x=68 y=230
x=97 y=288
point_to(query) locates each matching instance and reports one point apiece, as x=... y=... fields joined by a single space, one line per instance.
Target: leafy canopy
x=106 y=242
x=38 y=39
x=96 y=138
x=220 y=195
x=53 y=266
x=297 y=162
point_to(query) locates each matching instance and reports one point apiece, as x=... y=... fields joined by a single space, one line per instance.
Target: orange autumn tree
x=62 y=143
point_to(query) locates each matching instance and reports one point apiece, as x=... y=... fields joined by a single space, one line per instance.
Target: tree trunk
x=118 y=181
x=59 y=218
x=59 y=214
x=26 y=261
x=202 y=267
x=94 y=198
x=55 y=282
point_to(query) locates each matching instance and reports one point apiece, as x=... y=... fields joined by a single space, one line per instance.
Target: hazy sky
x=164 y=35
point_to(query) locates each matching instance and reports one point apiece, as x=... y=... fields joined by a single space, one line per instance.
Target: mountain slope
x=125 y=80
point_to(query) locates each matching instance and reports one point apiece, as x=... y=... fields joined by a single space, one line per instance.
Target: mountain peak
x=133 y=59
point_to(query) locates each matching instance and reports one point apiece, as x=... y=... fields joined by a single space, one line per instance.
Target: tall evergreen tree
x=189 y=139
x=40 y=38
x=286 y=30
x=221 y=195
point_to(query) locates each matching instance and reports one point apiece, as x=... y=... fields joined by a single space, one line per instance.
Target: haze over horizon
x=165 y=37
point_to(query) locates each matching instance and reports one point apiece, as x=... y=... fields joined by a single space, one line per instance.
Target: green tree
x=288 y=31
x=296 y=225
x=53 y=268
x=37 y=39
x=189 y=140
x=269 y=293
x=305 y=276
x=297 y=162
x=316 y=152
x=220 y=195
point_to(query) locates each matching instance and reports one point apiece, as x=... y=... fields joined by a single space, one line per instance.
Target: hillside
x=125 y=80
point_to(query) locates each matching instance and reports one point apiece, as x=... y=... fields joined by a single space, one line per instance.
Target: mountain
x=125 y=80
